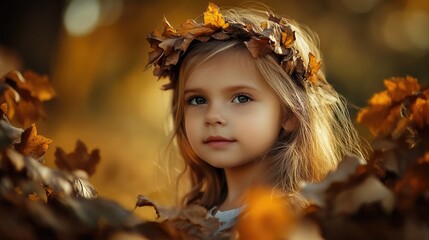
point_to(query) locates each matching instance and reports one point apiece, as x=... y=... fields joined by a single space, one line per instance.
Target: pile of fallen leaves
x=388 y=198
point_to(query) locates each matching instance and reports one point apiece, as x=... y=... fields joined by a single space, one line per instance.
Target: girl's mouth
x=218 y=141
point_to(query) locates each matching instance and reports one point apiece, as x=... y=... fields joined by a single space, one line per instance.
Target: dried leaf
x=312 y=68
x=37 y=85
x=22 y=101
x=259 y=46
x=381 y=99
x=288 y=37
x=143 y=201
x=191 y=29
x=379 y=120
x=398 y=87
x=39 y=173
x=82 y=188
x=413 y=187
x=80 y=158
x=420 y=112
x=371 y=190
x=169 y=31
x=316 y=192
x=212 y=17
x=32 y=144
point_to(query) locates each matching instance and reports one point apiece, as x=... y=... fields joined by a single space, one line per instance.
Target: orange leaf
x=420 y=112
x=37 y=85
x=79 y=159
x=379 y=120
x=266 y=216
x=380 y=99
x=213 y=17
x=32 y=144
x=398 y=87
x=312 y=68
x=424 y=159
x=288 y=37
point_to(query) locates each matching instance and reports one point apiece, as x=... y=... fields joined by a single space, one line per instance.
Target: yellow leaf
x=288 y=37
x=213 y=17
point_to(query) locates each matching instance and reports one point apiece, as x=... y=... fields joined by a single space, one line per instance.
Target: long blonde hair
x=324 y=132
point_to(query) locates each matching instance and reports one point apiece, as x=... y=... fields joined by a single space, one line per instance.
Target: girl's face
x=232 y=117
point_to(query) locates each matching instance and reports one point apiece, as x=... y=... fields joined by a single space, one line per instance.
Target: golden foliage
x=397 y=108
x=213 y=17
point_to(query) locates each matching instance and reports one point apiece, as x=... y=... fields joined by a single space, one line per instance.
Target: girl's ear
x=290 y=123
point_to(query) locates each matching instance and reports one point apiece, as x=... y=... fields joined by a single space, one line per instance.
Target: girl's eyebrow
x=240 y=87
x=228 y=89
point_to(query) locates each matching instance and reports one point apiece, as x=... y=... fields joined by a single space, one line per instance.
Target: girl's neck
x=240 y=180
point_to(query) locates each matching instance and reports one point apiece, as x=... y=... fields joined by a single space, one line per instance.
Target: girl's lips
x=218 y=141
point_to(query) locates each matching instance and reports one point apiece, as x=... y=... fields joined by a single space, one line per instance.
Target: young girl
x=250 y=106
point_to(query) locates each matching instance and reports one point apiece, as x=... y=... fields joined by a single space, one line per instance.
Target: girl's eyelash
x=189 y=99
x=243 y=94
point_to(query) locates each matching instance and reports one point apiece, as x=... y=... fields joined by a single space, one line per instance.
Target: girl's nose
x=214 y=116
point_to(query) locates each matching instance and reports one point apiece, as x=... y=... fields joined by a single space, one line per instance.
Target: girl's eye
x=241 y=99
x=197 y=100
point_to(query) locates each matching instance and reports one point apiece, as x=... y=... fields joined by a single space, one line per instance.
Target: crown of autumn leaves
x=169 y=47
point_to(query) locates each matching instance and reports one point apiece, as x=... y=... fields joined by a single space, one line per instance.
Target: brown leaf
x=37 y=85
x=32 y=144
x=414 y=185
x=80 y=158
x=259 y=46
x=169 y=31
x=191 y=29
x=275 y=19
x=371 y=190
x=191 y=222
x=316 y=192
x=38 y=173
x=22 y=101
x=143 y=201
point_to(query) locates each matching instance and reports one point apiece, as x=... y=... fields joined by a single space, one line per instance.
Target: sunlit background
x=95 y=53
